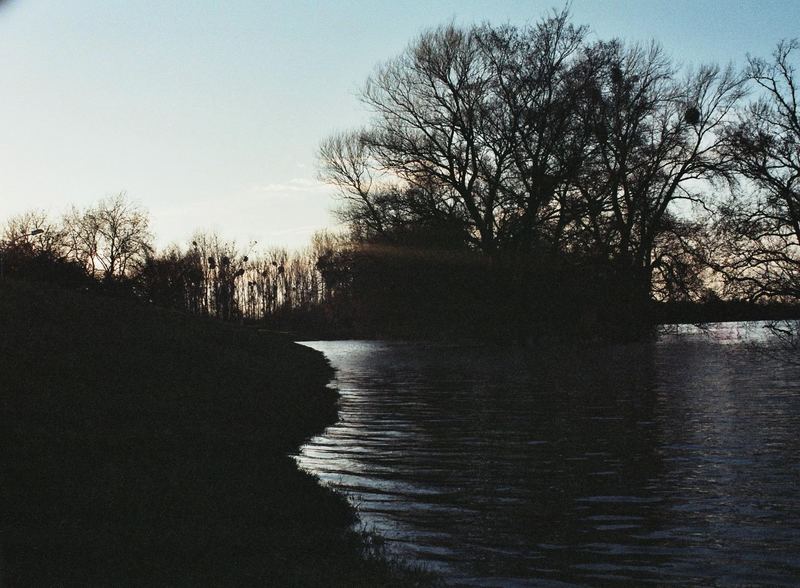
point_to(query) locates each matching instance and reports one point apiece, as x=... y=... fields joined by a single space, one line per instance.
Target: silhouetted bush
x=26 y=262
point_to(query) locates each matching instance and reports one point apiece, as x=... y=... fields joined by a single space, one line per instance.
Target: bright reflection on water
x=670 y=462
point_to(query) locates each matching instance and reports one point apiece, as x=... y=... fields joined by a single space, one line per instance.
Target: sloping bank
x=142 y=447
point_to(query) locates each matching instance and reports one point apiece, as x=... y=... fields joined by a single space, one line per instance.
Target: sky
x=209 y=114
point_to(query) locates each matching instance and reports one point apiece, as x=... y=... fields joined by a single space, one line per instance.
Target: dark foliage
x=28 y=262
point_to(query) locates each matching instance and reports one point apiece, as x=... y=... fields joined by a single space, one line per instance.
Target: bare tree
x=28 y=238
x=220 y=262
x=111 y=238
x=81 y=238
x=432 y=105
x=372 y=204
x=124 y=236
x=473 y=129
x=657 y=141
x=761 y=224
x=536 y=140
x=49 y=237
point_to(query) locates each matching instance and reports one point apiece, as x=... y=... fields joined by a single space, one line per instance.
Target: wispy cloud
x=302 y=230
x=293 y=186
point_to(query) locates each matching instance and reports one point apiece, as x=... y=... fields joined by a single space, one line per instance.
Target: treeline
x=512 y=181
x=594 y=177
x=109 y=247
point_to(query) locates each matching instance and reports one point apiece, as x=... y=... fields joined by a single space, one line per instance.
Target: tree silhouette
x=762 y=228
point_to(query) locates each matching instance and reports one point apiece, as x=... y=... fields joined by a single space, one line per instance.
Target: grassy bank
x=140 y=446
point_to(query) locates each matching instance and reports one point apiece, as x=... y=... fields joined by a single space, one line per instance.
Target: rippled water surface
x=676 y=461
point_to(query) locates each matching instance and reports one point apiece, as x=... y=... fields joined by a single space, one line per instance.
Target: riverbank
x=660 y=313
x=141 y=446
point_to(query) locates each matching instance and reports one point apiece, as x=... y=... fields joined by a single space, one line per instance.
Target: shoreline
x=145 y=446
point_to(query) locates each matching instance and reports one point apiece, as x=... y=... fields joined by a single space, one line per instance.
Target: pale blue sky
x=209 y=113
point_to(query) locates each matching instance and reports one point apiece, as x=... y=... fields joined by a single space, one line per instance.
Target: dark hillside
x=141 y=446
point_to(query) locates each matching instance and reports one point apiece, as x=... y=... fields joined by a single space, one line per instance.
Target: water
x=676 y=461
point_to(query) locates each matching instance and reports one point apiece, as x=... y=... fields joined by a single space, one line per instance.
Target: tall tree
x=430 y=105
x=762 y=227
x=111 y=238
x=657 y=141
x=535 y=137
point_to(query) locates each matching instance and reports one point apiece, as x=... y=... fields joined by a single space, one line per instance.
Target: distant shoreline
x=689 y=313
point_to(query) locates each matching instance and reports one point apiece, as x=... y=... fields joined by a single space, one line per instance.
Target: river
x=673 y=461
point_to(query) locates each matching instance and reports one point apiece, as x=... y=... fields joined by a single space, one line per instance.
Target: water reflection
x=672 y=461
